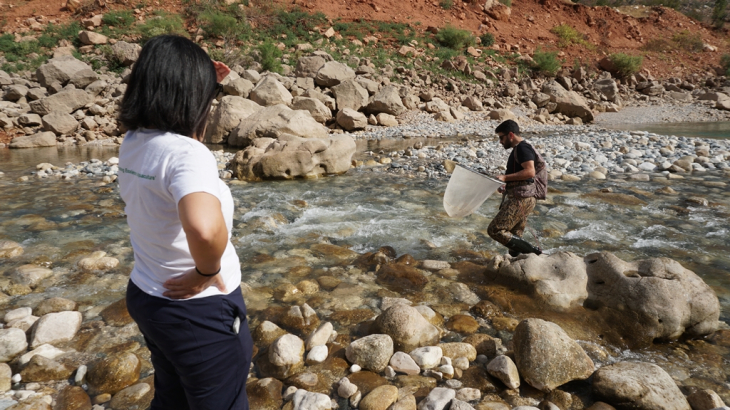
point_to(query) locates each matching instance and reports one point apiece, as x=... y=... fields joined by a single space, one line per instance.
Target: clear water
x=719 y=129
x=276 y=224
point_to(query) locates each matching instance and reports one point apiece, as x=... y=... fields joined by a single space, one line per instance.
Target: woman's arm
x=202 y=220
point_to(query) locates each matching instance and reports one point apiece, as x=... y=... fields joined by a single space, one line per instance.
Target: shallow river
x=276 y=223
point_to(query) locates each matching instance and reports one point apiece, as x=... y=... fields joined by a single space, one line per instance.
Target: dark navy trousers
x=200 y=362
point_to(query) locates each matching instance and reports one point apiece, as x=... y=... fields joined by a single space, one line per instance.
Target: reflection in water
x=14 y=160
x=719 y=129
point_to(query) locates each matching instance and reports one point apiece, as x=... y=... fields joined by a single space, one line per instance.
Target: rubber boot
x=518 y=245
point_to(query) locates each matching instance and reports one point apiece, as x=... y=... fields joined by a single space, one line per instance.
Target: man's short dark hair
x=171 y=87
x=506 y=127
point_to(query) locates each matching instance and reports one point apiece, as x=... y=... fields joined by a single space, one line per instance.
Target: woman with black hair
x=184 y=291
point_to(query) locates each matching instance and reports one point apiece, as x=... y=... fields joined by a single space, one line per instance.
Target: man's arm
x=528 y=171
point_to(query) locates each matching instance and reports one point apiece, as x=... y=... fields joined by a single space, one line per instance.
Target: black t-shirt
x=524 y=153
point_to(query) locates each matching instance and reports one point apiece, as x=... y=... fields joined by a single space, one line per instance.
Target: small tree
x=719 y=13
x=626 y=64
x=546 y=62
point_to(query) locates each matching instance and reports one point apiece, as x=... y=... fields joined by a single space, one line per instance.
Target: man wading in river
x=526 y=181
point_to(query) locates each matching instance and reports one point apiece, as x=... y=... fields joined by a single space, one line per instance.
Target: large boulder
x=41 y=139
x=607 y=87
x=309 y=66
x=60 y=123
x=275 y=120
x=59 y=70
x=229 y=113
x=387 y=100
x=640 y=386
x=316 y=108
x=558 y=280
x=66 y=101
x=568 y=103
x=83 y=78
x=126 y=53
x=547 y=357
x=333 y=73
x=407 y=327
x=350 y=94
x=269 y=91
x=650 y=299
x=351 y=120
x=291 y=157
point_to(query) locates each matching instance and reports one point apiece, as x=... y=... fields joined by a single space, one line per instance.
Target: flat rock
x=73 y=398
x=637 y=385
x=41 y=139
x=43 y=369
x=55 y=327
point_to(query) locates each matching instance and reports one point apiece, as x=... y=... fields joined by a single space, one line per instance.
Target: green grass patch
x=725 y=63
x=546 y=62
x=626 y=64
x=269 y=57
x=567 y=36
x=161 y=23
x=446 y=4
x=118 y=18
x=688 y=41
x=219 y=24
x=487 y=39
x=454 y=38
x=54 y=33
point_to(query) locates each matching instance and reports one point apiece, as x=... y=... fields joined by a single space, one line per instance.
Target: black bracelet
x=207 y=275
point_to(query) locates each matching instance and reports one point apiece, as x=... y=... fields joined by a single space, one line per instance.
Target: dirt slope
x=529 y=27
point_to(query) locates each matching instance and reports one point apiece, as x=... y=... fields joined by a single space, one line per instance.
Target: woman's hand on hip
x=190 y=284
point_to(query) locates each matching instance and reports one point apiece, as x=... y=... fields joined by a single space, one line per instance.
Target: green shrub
x=688 y=41
x=446 y=4
x=659 y=45
x=55 y=33
x=296 y=24
x=719 y=13
x=161 y=23
x=454 y=38
x=270 y=57
x=725 y=62
x=118 y=18
x=567 y=35
x=218 y=24
x=546 y=62
x=626 y=64
x=487 y=39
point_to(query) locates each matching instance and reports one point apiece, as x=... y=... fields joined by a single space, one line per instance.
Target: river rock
x=269 y=91
x=558 y=280
x=12 y=343
x=608 y=87
x=265 y=394
x=287 y=354
x=408 y=329
x=226 y=117
x=350 y=94
x=569 y=103
x=117 y=314
x=266 y=332
x=129 y=397
x=401 y=278
x=637 y=385
x=59 y=70
x=321 y=336
x=23 y=324
x=30 y=275
x=66 y=101
x=438 y=399
x=43 y=369
x=386 y=120
x=371 y=352
x=351 y=120
x=60 y=123
x=333 y=73
x=316 y=108
x=113 y=373
x=6 y=374
x=650 y=299
x=463 y=324
x=17 y=314
x=291 y=157
x=404 y=363
x=309 y=66
x=547 y=357
x=72 y=398
x=84 y=78
x=91 y=38
x=276 y=120
x=98 y=261
x=387 y=100
x=41 y=139
x=54 y=305
x=380 y=398
x=304 y=400
x=55 y=327
x=705 y=400
x=503 y=368
x=10 y=249
x=459 y=349
x=46 y=350
x=427 y=357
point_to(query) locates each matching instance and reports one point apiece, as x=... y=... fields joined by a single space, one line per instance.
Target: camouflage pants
x=511 y=218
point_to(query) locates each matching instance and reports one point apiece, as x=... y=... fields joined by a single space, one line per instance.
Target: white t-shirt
x=156 y=170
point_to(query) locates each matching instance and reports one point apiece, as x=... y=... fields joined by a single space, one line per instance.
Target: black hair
x=171 y=87
x=508 y=126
